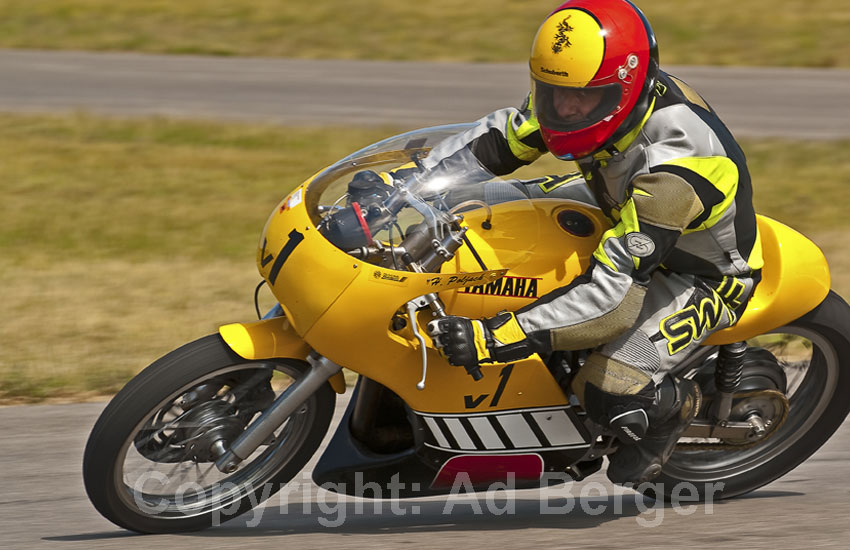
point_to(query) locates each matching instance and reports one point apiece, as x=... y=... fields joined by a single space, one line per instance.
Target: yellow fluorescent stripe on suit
x=515 y=136
x=722 y=173
x=628 y=224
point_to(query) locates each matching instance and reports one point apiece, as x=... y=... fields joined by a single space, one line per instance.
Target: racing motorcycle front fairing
x=344 y=272
x=360 y=263
x=349 y=306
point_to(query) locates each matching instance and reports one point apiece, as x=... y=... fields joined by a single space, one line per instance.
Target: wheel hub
x=207 y=427
x=755 y=416
x=763 y=410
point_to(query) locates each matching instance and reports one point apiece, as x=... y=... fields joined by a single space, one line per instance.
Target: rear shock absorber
x=727 y=378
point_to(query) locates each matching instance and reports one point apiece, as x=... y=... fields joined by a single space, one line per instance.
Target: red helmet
x=594 y=65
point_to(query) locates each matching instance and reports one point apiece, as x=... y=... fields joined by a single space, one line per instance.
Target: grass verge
x=123 y=239
x=795 y=33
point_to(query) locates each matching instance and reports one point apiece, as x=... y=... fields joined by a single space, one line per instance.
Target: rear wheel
x=812 y=360
x=149 y=465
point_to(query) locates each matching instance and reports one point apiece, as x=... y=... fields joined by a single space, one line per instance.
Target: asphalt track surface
x=43 y=505
x=42 y=501
x=796 y=103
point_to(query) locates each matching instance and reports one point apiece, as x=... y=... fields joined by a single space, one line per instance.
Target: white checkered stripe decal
x=549 y=428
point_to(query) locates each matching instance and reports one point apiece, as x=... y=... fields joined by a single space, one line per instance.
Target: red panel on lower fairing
x=484 y=469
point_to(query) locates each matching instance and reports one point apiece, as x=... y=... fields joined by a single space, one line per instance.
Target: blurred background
x=123 y=237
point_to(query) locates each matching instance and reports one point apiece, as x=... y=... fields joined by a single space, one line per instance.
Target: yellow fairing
x=293 y=258
x=354 y=313
x=344 y=308
x=795 y=279
x=558 y=257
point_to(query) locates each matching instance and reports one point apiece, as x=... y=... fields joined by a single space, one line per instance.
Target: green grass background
x=721 y=32
x=122 y=239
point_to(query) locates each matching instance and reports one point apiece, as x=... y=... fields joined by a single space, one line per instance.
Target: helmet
x=594 y=65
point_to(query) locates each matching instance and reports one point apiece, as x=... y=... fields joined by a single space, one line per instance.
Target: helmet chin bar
x=637 y=117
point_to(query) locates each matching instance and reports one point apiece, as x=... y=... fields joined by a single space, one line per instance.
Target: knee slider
x=624 y=414
x=630 y=426
x=606 y=388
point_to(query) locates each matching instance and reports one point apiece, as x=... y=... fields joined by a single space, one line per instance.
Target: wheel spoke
x=173 y=436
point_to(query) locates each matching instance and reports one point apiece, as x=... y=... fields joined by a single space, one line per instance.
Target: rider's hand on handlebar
x=470 y=343
x=368 y=187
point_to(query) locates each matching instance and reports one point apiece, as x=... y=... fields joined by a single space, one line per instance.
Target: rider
x=683 y=255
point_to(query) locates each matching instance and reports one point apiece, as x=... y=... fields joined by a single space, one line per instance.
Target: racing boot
x=676 y=404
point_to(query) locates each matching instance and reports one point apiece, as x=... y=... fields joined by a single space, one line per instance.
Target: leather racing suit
x=680 y=262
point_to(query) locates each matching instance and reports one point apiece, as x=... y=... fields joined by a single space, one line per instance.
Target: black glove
x=470 y=343
x=368 y=188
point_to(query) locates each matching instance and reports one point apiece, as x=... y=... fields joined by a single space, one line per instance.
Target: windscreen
x=411 y=199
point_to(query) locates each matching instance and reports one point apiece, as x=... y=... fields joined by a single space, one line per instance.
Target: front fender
x=270 y=339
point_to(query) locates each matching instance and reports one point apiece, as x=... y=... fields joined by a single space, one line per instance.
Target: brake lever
x=412 y=307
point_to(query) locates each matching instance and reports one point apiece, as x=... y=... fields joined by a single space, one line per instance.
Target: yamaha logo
x=515 y=287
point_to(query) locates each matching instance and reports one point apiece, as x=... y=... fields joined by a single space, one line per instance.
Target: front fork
x=261 y=429
x=253 y=341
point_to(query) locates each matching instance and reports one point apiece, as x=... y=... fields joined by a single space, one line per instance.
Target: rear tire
x=818 y=406
x=119 y=470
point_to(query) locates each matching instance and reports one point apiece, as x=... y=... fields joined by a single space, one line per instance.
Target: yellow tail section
x=795 y=279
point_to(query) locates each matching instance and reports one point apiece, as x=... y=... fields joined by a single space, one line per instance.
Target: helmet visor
x=566 y=109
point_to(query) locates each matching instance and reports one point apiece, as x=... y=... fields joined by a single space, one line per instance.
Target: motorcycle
x=366 y=253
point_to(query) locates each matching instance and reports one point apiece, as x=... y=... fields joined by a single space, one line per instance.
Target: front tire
x=148 y=467
x=814 y=352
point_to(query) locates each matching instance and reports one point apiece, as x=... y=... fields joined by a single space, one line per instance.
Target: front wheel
x=149 y=465
x=812 y=359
